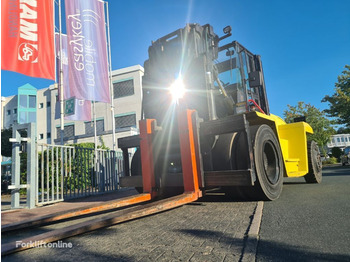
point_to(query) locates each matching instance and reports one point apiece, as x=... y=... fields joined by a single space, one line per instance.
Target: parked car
x=345 y=158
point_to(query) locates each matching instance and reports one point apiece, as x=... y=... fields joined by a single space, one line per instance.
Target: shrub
x=336 y=152
x=330 y=161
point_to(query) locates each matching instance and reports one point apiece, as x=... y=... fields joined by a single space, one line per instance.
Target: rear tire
x=315 y=164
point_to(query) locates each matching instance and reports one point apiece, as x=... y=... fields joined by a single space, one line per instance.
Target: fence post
x=101 y=171
x=16 y=164
x=31 y=185
x=31 y=167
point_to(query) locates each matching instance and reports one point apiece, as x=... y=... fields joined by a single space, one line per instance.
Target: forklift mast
x=218 y=80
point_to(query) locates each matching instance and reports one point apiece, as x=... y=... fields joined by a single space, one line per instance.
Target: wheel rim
x=270 y=160
x=317 y=159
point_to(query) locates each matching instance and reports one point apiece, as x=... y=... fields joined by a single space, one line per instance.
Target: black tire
x=230 y=153
x=239 y=161
x=268 y=164
x=315 y=164
x=136 y=168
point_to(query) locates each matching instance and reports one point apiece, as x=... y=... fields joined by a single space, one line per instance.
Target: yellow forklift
x=205 y=110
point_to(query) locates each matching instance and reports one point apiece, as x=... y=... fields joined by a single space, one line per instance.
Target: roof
x=27 y=87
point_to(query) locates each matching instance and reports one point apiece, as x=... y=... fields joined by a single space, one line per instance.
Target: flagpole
x=95 y=129
x=95 y=138
x=61 y=74
x=110 y=78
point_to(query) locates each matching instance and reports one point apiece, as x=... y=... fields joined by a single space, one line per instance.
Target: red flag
x=27 y=37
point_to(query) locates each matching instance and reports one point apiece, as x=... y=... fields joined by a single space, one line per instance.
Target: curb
x=332 y=165
x=251 y=243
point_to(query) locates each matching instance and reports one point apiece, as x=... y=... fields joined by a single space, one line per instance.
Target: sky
x=304 y=44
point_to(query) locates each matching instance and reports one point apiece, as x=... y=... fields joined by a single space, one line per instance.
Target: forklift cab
x=240 y=74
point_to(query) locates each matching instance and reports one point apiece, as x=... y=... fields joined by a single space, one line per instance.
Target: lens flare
x=177 y=89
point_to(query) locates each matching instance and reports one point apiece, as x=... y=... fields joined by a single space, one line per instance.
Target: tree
x=340 y=100
x=321 y=125
x=343 y=130
x=6 y=145
x=336 y=152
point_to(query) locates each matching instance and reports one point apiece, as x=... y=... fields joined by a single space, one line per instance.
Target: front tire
x=136 y=168
x=315 y=164
x=268 y=164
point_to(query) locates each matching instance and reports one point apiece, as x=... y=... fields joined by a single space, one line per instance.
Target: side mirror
x=227 y=30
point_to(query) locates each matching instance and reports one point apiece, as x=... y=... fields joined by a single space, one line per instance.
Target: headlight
x=177 y=89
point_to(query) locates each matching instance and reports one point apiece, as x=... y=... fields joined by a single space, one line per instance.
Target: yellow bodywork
x=293 y=141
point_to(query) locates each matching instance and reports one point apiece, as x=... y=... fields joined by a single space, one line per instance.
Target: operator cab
x=240 y=74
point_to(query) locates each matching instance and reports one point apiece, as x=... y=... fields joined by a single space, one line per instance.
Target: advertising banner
x=87 y=50
x=27 y=37
x=75 y=109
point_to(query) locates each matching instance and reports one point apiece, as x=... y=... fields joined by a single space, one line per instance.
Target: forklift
x=206 y=123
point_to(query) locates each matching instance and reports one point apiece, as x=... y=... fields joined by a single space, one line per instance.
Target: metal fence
x=66 y=172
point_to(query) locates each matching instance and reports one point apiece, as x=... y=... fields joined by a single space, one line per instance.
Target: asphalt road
x=310 y=222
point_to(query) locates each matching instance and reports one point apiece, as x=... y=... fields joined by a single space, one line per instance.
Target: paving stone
x=207 y=231
x=231 y=258
x=203 y=257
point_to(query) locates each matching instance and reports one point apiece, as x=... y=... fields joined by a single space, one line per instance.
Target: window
x=48 y=104
x=89 y=127
x=41 y=136
x=338 y=139
x=346 y=139
x=22 y=117
x=8 y=112
x=31 y=117
x=41 y=105
x=58 y=132
x=32 y=101
x=48 y=135
x=347 y=150
x=23 y=101
x=125 y=121
x=15 y=111
x=68 y=131
x=124 y=88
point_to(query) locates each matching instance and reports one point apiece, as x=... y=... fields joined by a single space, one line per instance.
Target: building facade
x=340 y=140
x=41 y=106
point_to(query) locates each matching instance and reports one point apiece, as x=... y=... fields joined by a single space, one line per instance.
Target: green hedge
x=330 y=161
